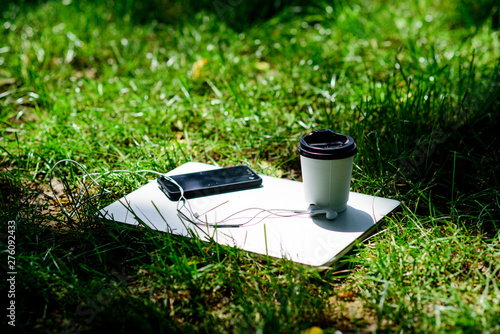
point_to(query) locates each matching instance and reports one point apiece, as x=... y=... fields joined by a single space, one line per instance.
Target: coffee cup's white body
x=326 y=160
x=327 y=182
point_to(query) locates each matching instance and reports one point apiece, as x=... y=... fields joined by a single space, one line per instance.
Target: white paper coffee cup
x=326 y=161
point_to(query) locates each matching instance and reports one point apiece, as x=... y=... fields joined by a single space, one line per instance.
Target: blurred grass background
x=152 y=85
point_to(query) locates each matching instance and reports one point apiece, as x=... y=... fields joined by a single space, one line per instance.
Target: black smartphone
x=211 y=182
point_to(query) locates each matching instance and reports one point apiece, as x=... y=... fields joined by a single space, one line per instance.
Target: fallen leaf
x=313 y=330
x=197 y=67
x=346 y=295
x=63 y=201
x=262 y=65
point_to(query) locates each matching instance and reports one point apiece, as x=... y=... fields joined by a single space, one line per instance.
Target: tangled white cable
x=313 y=210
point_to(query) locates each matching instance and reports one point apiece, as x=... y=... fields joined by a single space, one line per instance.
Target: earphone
x=314 y=210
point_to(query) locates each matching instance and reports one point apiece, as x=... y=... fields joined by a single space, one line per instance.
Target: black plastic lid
x=325 y=144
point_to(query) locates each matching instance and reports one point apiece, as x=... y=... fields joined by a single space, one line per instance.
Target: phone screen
x=211 y=182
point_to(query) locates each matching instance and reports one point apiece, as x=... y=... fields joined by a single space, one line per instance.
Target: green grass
x=124 y=86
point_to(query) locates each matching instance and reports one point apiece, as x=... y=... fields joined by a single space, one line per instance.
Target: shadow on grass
x=237 y=14
x=95 y=275
x=241 y=15
x=453 y=165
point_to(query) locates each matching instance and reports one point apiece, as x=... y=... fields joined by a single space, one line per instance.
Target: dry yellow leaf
x=63 y=201
x=313 y=330
x=197 y=67
x=262 y=65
